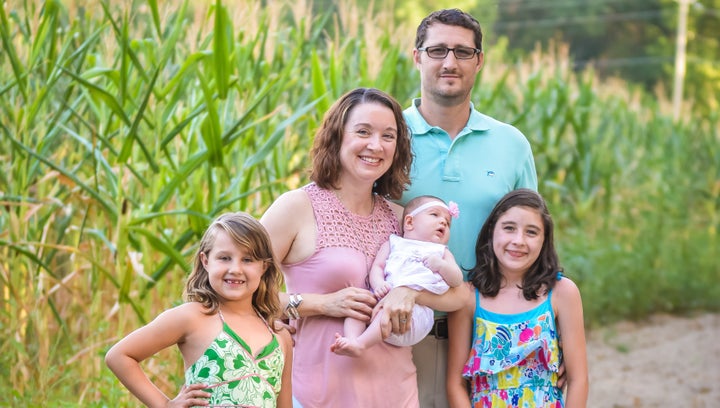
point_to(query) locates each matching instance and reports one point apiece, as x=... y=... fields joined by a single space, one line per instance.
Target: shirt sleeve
x=528 y=174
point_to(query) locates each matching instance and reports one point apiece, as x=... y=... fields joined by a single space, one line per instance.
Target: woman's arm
x=399 y=302
x=351 y=302
x=290 y=223
x=571 y=327
x=449 y=301
x=459 y=343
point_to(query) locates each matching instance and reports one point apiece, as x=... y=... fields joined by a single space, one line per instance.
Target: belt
x=440 y=328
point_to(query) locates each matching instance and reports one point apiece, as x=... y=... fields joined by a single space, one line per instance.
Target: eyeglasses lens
x=442 y=52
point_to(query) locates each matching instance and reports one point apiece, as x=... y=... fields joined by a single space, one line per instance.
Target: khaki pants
x=430 y=357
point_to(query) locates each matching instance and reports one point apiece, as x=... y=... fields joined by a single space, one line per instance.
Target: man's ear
x=416 y=58
x=481 y=61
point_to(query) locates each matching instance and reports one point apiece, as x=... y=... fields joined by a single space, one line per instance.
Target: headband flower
x=453 y=209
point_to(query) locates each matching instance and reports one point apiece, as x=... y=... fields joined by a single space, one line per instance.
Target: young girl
x=419 y=260
x=232 y=355
x=521 y=308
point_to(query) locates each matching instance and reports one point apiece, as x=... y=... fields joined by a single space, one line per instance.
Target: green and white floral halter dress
x=234 y=376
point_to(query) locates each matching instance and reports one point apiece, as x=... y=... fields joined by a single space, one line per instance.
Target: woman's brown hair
x=326 y=166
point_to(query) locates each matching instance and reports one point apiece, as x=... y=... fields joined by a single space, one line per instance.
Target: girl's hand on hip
x=190 y=396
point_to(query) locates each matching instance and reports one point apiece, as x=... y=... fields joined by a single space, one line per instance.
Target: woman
x=326 y=235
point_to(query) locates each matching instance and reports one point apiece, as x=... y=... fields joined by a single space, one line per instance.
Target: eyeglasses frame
x=448 y=49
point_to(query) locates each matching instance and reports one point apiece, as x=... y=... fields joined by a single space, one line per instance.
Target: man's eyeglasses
x=440 y=52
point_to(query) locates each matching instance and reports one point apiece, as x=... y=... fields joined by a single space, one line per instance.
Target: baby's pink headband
x=452 y=208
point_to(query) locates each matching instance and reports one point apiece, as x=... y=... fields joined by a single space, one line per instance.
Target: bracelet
x=291 y=309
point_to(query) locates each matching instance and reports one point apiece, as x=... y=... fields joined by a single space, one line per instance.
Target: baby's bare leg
x=354 y=345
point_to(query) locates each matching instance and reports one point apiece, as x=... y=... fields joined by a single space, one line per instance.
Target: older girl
x=521 y=307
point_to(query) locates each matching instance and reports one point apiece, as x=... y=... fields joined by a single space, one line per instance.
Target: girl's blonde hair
x=248 y=233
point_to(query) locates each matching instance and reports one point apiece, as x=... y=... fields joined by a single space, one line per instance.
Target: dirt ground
x=666 y=361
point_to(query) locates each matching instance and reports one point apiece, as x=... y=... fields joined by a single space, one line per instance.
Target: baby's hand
x=382 y=290
x=433 y=262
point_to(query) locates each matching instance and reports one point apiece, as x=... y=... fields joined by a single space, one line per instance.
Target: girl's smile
x=232 y=270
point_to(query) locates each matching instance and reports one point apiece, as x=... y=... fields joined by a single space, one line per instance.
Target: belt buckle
x=440 y=329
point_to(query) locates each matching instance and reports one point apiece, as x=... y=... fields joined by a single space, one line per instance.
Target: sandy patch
x=666 y=361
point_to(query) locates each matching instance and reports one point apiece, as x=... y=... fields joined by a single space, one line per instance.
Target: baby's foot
x=345 y=346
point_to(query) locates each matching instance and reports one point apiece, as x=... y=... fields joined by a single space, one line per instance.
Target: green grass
x=126 y=127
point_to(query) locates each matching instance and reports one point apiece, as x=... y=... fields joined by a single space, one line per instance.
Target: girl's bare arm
x=285 y=397
x=124 y=358
x=459 y=343
x=571 y=327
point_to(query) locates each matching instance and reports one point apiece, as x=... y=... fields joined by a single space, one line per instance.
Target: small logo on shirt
x=490 y=173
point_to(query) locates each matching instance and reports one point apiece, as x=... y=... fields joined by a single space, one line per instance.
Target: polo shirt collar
x=476 y=122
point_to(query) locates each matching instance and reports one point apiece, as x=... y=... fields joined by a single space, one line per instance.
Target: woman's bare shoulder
x=289 y=202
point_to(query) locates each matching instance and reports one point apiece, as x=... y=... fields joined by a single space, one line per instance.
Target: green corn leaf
x=170 y=187
x=107 y=205
x=277 y=135
x=132 y=133
x=101 y=94
x=155 y=17
x=222 y=49
x=162 y=246
x=11 y=53
x=318 y=83
x=210 y=128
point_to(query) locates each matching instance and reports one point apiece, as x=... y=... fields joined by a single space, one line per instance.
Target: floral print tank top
x=514 y=358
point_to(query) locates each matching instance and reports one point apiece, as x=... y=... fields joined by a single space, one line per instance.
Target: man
x=461 y=155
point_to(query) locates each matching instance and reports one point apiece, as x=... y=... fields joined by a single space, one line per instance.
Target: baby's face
x=431 y=224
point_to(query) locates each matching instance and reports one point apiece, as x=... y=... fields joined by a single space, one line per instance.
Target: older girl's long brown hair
x=541 y=276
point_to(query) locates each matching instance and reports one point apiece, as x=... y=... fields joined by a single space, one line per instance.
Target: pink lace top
x=346 y=245
x=338 y=227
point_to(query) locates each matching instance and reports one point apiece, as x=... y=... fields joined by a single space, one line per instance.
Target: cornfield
x=125 y=127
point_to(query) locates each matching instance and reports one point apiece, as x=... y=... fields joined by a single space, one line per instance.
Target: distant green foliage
x=126 y=126
x=634 y=40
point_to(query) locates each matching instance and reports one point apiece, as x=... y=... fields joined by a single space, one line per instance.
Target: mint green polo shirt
x=486 y=160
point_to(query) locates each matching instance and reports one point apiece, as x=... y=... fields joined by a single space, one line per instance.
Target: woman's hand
x=349 y=302
x=397 y=306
